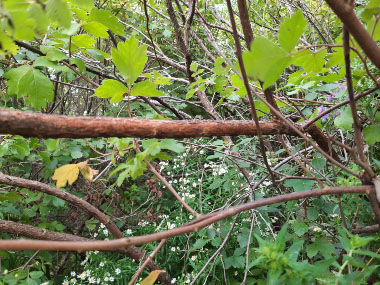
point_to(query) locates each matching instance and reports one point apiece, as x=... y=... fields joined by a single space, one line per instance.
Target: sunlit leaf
x=152 y=277
x=130 y=59
x=66 y=174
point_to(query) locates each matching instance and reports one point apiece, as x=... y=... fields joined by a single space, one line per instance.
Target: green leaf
x=14 y=75
x=200 y=243
x=262 y=108
x=107 y=19
x=43 y=61
x=79 y=63
x=54 y=54
x=146 y=88
x=130 y=59
x=300 y=184
x=58 y=10
x=96 y=29
x=344 y=120
x=83 y=41
x=111 y=88
x=291 y=30
x=372 y=134
x=312 y=62
x=30 y=82
x=320 y=245
x=172 y=145
x=234 y=261
x=84 y=4
x=300 y=228
x=266 y=61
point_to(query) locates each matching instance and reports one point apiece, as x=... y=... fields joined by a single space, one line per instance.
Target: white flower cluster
x=217 y=169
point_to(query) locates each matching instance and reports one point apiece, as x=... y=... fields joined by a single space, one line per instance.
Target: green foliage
x=30 y=83
x=130 y=59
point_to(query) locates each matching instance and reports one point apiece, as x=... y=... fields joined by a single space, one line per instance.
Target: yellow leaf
x=87 y=171
x=67 y=173
x=152 y=277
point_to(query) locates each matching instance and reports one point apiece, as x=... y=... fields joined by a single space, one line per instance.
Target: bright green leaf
x=291 y=30
x=58 y=10
x=96 y=29
x=146 y=88
x=83 y=41
x=111 y=88
x=130 y=59
x=107 y=19
x=266 y=61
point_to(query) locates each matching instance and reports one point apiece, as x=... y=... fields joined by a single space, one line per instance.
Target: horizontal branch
x=29 y=231
x=55 y=126
x=193 y=226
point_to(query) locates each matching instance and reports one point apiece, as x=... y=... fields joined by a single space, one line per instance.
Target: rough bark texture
x=55 y=126
x=345 y=11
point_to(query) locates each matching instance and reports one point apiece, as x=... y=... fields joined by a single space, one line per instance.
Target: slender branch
x=150 y=258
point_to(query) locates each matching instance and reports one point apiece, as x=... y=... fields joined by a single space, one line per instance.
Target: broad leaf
x=146 y=88
x=130 y=59
x=83 y=41
x=96 y=29
x=58 y=10
x=107 y=19
x=66 y=174
x=291 y=30
x=344 y=120
x=172 y=145
x=87 y=171
x=266 y=61
x=111 y=88
x=30 y=82
x=300 y=184
x=372 y=134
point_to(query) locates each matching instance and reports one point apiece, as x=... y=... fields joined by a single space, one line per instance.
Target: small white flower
x=106 y=279
x=235 y=273
x=105 y=232
x=73 y=281
x=102 y=226
x=65 y=282
x=82 y=276
x=101 y=264
x=173 y=249
x=112 y=279
x=91 y=280
x=194 y=257
x=173 y=281
x=95 y=234
x=96 y=252
x=202 y=151
x=98 y=281
x=191 y=217
x=129 y=232
x=194 y=184
x=73 y=273
x=117 y=271
x=317 y=229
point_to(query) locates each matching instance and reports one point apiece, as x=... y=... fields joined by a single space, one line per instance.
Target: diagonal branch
x=193 y=226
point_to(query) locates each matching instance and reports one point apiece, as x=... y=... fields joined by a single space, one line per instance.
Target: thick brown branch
x=55 y=126
x=193 y=226
x=345 y=11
